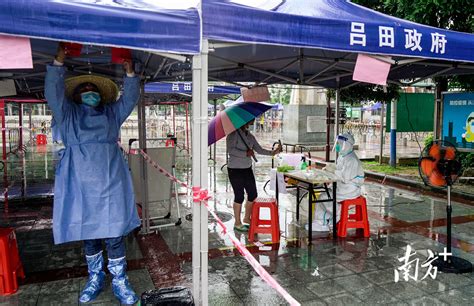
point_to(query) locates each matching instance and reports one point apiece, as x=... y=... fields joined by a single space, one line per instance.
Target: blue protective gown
x=54 y=131
x=93 y=192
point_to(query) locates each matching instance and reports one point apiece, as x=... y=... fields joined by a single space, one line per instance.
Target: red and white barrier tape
x=201 y=195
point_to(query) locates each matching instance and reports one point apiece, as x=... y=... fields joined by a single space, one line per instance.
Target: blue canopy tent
x=263 y=41
x=163 y=26
x=316 y=43
x=164 y=29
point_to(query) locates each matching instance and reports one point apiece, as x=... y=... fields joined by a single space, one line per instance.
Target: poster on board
x=458 y=119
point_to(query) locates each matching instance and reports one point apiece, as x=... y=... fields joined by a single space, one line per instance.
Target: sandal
x=241 y=228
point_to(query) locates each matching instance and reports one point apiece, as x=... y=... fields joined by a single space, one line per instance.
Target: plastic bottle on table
x=303 y=164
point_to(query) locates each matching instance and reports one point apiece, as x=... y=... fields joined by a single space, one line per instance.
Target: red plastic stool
x=41 y=139
x=357 y=220
x=259 y=226
x=10 y=264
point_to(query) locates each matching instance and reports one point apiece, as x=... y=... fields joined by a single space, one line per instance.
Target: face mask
x=338 y=147
x=90 y=98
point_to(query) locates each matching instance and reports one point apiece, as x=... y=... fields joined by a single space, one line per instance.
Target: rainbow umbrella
x=234 y=117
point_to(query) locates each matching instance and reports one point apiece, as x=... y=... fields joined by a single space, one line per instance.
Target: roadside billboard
x=458 y=119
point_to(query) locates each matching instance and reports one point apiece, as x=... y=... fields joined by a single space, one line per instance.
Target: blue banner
x=187 y=88
x=333 y=25
x=458 y=119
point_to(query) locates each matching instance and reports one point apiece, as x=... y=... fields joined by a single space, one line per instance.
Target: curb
x=456 y=195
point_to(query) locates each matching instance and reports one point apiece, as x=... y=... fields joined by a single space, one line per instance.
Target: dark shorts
x=243 y=180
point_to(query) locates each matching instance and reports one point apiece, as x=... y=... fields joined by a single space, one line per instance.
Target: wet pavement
x=348 y=271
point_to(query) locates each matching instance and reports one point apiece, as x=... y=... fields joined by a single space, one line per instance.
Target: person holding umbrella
x=241 y=147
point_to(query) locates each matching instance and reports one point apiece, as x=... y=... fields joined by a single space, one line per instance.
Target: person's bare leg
x=248 y=212
x=237 y=212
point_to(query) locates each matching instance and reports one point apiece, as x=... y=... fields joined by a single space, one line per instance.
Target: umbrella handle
x=254 y=158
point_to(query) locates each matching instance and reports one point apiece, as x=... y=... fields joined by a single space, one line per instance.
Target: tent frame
x=20 y=102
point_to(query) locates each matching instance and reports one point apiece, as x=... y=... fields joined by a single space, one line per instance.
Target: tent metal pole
x=20 y=126
x=143 y=163
x=174 y=120
x=4 y=156
x=329 y=67
x=196 y=234
x=437 y=112
x=301 y=66
x=30 y=123
x=328 y=130
x=215 y=144
x=336 y=112
x=315 y=81
x=204 y=170
x=280 y=70
x=186 y=106
x=20 y=147
x=393 y=134
x=382 y=115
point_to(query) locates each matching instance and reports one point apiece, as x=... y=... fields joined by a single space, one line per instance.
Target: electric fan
x=439 y=167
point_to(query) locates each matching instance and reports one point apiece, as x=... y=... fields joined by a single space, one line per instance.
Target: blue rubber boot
x=120 y=285
x=95 y=283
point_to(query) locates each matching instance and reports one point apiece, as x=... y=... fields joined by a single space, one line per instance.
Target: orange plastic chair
x=260 y=226
x=358 y=220
x=10 y=264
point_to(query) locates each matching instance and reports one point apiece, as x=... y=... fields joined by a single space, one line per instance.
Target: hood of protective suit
x=344 y=143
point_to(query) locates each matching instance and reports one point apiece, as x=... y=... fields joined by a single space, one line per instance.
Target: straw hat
x=107 y=88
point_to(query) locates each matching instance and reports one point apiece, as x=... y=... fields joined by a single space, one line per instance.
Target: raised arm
x=54 y=87
x=131 y=92
x=258 y=148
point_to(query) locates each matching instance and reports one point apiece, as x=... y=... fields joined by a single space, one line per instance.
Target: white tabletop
x=313 y=176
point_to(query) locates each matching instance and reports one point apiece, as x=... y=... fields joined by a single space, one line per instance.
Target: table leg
x=310 y=215
x=334 y=210
x=297 y=203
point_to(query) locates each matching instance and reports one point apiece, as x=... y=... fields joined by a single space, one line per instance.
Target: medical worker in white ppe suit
x=350 y=177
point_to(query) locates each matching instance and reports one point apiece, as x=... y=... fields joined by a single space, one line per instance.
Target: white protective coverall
x=350 y=177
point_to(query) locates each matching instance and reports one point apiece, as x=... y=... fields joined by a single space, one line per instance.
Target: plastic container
x=303 y=164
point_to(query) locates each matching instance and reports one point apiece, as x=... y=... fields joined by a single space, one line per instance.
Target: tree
x=280 y=94
x=456 y=15
x=367 y=92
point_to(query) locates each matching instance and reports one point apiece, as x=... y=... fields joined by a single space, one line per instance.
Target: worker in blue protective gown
x=93 y=193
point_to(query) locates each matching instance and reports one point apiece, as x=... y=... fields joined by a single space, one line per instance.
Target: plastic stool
x=357 y=220
x=41 y=139
x=259 y=226
x=10 y=264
